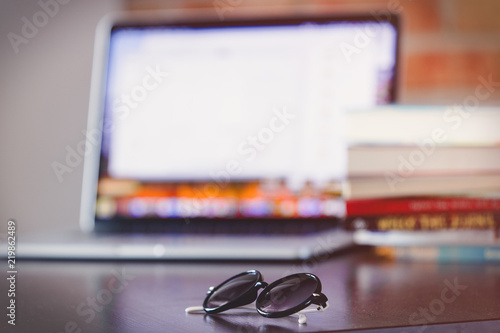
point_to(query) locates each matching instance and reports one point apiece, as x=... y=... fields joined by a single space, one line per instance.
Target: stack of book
x=424 y=183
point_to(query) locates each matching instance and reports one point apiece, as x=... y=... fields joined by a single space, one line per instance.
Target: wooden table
x=365 y=293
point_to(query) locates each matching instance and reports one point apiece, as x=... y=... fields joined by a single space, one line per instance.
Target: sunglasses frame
x=248 y=297
x=316 y=297
x=252 y=295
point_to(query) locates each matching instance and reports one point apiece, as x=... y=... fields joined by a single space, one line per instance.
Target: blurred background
x=446 y=45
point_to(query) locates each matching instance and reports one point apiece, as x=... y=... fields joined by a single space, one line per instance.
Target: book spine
x=363 y=207
x=446 y=253
x=425 y=221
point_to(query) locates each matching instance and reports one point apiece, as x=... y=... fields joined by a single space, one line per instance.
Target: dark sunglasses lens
x=287 y=293
x=232 y=289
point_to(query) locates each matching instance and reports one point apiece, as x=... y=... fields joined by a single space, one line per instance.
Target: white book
x=424 y=125
x=426 y=238
x=415 y=160
x=392 y=185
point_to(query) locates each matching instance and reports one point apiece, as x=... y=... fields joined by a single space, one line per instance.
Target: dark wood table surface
x=365 y=293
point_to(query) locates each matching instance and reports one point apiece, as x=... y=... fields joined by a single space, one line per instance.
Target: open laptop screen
x=236 y=120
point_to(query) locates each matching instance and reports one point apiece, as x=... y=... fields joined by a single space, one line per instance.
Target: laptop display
x=235 y=120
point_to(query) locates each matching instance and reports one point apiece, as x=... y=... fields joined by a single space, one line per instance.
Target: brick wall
x=446 y=44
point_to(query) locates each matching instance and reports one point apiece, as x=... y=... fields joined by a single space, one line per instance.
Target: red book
x=426 y=221
x=411 y=205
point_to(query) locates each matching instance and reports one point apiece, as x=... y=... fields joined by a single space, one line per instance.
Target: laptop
x=222 y=139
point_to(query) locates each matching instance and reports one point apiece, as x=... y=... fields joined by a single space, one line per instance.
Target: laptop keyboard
x=224 y=227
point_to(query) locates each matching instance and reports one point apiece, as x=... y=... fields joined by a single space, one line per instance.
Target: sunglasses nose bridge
x=252 y=294
x=261 y=284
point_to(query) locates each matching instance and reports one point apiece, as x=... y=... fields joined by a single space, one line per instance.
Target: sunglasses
x=289 y=295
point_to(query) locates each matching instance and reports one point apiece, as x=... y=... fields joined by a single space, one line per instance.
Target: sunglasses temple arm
x=199 y=309
x=302 y=316
x=194 y=309
x=316 y=308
